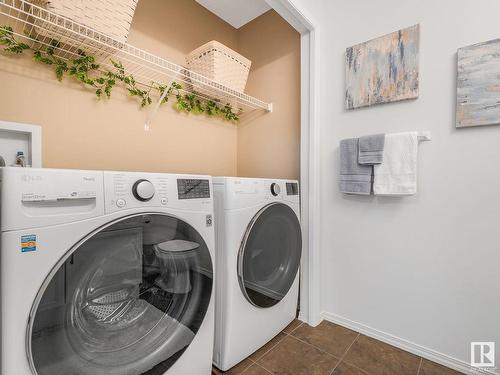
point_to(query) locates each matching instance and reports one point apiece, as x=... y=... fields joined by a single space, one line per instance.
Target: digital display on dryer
x=292 y=188
x=193 y=188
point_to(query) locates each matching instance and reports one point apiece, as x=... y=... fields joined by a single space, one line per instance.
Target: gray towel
x=371 y=149
x=354 y=177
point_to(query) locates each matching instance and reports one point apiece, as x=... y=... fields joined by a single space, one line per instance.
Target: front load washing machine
x=258 y=250
x=106 y=273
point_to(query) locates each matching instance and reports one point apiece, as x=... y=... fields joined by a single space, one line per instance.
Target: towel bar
x=424 y=136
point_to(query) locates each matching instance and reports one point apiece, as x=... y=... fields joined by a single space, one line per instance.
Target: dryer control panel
x=240 y=192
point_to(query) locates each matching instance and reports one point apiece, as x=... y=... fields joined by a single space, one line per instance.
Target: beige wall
x=82 y=132
x=173 y=28
x=269 y=145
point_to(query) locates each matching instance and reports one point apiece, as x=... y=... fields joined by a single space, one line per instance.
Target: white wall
x=424 y=269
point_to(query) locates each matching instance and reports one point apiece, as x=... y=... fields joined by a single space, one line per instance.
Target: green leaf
x=85 y=70
x=6 y=30
x=59 y=73
x=15 y=48
x=81 y=76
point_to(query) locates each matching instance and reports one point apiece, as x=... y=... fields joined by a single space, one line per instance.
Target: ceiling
x=236 y=12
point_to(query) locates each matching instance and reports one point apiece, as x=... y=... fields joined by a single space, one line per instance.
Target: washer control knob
x=143 y=190
x=275 y=189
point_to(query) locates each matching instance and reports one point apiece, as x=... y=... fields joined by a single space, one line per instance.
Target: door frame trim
x=310 y=276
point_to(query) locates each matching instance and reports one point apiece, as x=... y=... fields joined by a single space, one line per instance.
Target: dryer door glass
x=128 y=299
x=269 y=256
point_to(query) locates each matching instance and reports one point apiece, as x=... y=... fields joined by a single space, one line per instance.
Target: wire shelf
x=38 y=27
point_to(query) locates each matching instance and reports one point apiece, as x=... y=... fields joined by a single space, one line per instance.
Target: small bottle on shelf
x=20 y=159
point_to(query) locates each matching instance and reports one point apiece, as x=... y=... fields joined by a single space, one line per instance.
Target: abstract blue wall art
x=478 y=84
x=383 y=70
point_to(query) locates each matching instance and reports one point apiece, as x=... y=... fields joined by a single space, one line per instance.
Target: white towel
x=397 y=175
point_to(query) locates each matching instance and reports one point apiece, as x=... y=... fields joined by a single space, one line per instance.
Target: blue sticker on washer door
x=28 y=243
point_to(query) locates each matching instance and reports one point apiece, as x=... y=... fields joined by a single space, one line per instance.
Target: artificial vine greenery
x=85 y=70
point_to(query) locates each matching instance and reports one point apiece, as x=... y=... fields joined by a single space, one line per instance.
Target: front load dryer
x=106 y=273
x=258 y=246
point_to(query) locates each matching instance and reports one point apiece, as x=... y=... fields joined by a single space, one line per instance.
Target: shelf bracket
x=152 y=113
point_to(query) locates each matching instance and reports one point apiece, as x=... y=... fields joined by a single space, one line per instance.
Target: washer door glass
x=269 y=256
x=127 y=300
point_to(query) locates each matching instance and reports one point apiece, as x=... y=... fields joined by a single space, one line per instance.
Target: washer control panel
x=128 y=190
x=124 y=190
x=193 y=188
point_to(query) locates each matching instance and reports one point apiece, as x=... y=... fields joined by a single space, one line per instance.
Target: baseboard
x=409 y=346
x=302 y=317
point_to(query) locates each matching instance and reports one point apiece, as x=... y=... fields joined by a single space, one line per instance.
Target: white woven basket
x=220 y=63
x=109 y=17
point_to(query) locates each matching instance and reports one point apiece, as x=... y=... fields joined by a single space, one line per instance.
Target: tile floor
x=332 y=350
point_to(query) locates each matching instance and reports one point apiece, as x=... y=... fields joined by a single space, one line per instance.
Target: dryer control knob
x=143 y=190
x=275 y=189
